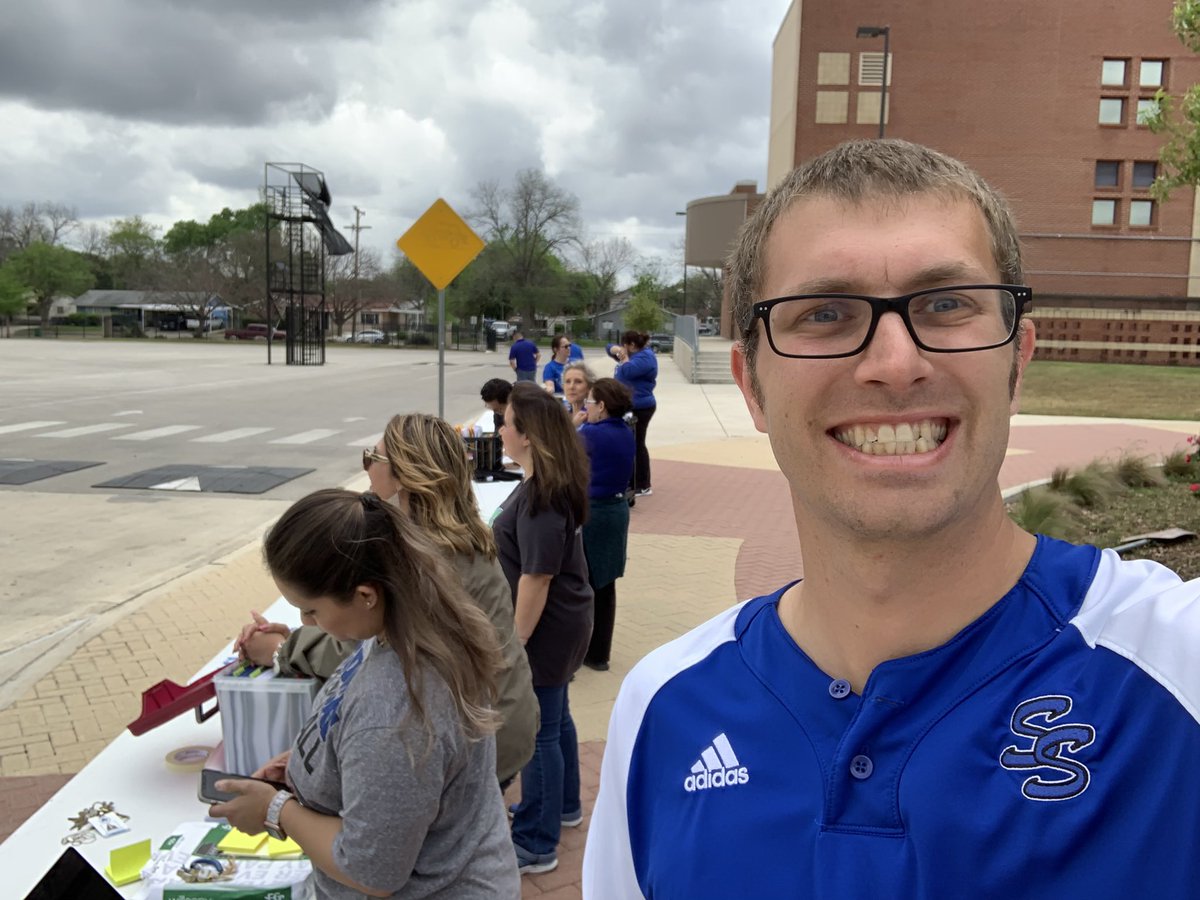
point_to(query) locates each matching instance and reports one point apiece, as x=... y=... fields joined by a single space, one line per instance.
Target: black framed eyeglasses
x=370 y=456
x=957 y=319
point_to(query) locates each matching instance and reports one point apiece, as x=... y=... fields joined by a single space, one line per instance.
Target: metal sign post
x=440 y=244
x=442 y=353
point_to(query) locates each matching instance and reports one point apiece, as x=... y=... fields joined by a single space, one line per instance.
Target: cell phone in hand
x=208 y=792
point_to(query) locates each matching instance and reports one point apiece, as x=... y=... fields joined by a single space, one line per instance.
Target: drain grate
x=25 y=471
x=207 y=479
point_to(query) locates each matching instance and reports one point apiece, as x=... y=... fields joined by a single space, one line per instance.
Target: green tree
x=48 y=271
x=1178 y=118
x=644 y=312
x=530 y=222
x=13 y=295
x=133 y=250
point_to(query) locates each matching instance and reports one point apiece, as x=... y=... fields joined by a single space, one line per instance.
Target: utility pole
x=358 y=214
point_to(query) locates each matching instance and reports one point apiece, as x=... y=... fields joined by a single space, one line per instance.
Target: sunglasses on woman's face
x=369 y=457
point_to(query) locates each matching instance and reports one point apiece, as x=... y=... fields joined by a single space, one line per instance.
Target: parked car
x=371 y=336
x=662 y=343
x=706 y=330
x=502 y=330
x=254 y=332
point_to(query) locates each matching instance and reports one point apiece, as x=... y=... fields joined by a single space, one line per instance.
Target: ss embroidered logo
x=1061 y=776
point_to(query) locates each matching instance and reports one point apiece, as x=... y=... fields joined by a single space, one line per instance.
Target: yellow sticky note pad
x=240 y=842
x=125 y=864
x=282 y=848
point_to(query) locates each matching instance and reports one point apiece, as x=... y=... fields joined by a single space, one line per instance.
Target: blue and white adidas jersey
x=1051 y=749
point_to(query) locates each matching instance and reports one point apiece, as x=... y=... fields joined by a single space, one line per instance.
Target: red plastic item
x=166 y=700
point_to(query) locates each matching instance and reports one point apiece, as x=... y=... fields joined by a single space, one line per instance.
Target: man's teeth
x=894 y=440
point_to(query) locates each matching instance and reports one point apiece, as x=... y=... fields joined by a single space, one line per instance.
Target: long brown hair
x=430 y=462
x=560 y=464
x=332 y=541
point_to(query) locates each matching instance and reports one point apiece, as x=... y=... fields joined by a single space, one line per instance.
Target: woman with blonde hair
x=421 y=466
x=541 y=552
x=577 y=380
x=390 y=785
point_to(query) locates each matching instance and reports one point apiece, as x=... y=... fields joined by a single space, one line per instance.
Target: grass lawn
x=1109 y=389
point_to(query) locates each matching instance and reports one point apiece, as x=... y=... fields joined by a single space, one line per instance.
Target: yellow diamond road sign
x=440 y=244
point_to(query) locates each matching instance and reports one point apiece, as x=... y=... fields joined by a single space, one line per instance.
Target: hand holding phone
x=209 y=794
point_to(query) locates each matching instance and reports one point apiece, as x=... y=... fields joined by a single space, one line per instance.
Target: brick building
x=1042 y=97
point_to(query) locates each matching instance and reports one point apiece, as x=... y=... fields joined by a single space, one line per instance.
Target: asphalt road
x=72 y=553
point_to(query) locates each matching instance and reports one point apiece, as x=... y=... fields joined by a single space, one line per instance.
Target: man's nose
x=892 y=357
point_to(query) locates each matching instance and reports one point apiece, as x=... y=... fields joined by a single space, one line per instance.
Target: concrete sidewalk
x=717 y=529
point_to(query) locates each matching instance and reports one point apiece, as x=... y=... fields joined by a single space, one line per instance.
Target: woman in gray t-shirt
x=392 y=786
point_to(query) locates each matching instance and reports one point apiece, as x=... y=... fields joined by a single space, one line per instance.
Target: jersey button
x=861 y=767
x=839 y=689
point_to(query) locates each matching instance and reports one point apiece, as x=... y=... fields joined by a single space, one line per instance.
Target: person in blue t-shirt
x=944 y=705
x=523 y=357
x=560 y=349
x=610 y=448
x=637 y=369
x=576 y=351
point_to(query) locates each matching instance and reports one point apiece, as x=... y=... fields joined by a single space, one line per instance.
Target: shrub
x=1043 y=511
x=1091 y=487
x=1180 y=465
x=1136 y=471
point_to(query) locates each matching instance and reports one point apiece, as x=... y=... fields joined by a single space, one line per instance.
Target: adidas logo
x=717 y=767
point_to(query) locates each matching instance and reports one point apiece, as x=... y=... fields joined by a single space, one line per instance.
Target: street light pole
x=358 y=214
x=684 y=214
x=872 y=31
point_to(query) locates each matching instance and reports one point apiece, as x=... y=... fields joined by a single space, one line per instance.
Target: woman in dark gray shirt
x=541 y=551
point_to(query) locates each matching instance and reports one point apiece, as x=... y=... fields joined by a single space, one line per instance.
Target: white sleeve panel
x=608 y=872
x=1145 y=613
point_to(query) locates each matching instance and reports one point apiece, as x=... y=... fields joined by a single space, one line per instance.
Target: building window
x=833 y=68
x=1112 y=110
x=1104 y=212
x=1144 y=174
x=832 y=107
x=868 y=108
x=370 y=318
x=1112 y=72
x=1150 y=73
x=1146 y=107
x=1108 y=173
x=870 y=69
x=1141 y=213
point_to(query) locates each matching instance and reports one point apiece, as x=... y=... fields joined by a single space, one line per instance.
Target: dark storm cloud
x=195 y=63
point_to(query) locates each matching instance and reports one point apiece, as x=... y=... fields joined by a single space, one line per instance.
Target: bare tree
x=603 y=261
x=343 y=296
x=532 y=222
x=59 y=220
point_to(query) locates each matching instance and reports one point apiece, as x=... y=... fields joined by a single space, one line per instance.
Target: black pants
x=641 y=464
x=600 y=647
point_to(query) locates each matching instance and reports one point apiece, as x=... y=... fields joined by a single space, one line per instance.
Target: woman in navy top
x=610 y=448
x=637 y=369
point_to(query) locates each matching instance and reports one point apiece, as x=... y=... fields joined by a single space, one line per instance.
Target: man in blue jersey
x=945 y=706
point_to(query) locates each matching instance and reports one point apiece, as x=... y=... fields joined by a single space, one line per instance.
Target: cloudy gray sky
x=169 y=108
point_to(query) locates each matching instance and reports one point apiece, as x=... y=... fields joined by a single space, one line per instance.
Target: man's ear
x=743 y=374
x=1026 y=341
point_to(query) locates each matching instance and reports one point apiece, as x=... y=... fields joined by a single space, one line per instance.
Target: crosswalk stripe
x=307 y=437
x=27 y=426
x=369 y=441
x=152 y=434
x=86 y=429
x=224 y=437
